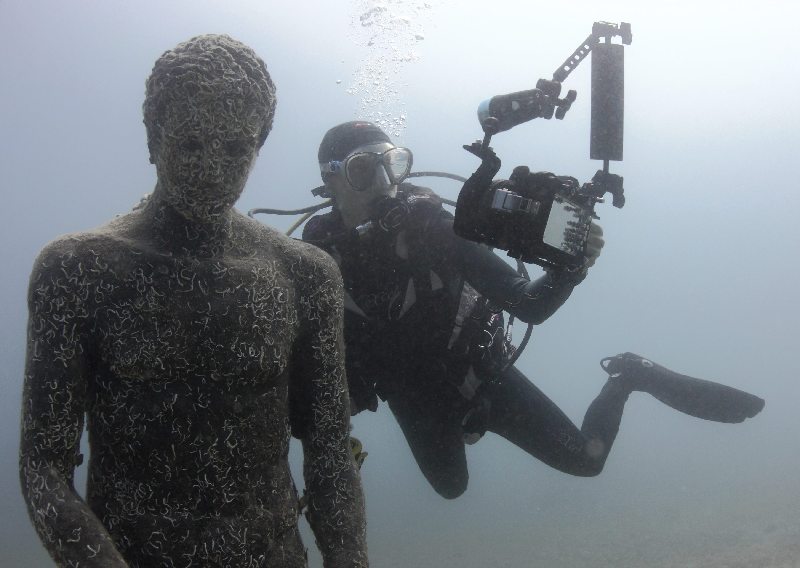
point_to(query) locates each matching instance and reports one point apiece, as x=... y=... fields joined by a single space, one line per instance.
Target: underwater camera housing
x=536 y=217
x=540 y=217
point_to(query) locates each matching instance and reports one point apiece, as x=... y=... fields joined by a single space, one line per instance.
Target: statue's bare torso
x=187 y=358
x=195 y=342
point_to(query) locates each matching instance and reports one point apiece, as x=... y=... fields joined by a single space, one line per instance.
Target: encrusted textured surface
x=194 y=340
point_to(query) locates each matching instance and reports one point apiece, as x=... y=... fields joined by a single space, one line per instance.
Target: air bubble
x=389 y=30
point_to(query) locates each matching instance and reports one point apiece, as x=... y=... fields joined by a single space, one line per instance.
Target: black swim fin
x=697 y=397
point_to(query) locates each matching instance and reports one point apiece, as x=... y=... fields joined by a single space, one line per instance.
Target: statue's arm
x=333 y=486
x=53 y=405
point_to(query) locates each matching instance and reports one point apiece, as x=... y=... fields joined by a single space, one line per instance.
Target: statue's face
x=206 y=152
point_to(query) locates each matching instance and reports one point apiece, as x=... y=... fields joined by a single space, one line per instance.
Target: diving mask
x=360 y=168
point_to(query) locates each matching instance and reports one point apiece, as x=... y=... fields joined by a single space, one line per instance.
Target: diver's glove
x=594 y=244
x=564 y=276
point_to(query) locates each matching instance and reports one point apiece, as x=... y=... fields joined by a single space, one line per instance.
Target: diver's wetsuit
x=408 y=291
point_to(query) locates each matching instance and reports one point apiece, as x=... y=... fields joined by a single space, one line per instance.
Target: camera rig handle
x=600 y=30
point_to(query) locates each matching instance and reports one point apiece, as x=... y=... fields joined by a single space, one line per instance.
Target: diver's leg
x=430 y=418
x=525 y=416
x=696 y=397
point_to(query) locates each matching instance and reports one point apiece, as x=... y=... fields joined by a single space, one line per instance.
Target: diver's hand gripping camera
x=539 y=217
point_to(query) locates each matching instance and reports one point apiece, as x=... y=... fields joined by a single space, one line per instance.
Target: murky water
x=698 y=271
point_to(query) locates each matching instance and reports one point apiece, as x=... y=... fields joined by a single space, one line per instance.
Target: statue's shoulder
x=302 y=260
x=68 y=267
x=75 y=249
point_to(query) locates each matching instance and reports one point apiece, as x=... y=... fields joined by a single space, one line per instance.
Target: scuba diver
x=424 y=329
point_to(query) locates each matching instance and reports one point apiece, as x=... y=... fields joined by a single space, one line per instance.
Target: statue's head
x=208 y=108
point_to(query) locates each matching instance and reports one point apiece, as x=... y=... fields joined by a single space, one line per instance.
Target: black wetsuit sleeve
x=530 y=301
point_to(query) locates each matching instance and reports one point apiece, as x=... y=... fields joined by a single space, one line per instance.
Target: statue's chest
x=173 y=319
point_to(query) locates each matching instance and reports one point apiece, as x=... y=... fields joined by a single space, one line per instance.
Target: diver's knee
x=582 y=470
x=451 y=491
x=585 y=468
x=450 y=487
x=594 y=460
x=591 y=470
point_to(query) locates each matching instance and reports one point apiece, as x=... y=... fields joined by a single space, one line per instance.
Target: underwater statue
x=195 y=342
x=424 y=327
